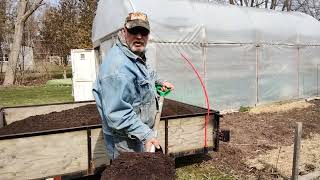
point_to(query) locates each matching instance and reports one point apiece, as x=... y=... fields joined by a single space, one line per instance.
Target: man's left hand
x=167 y=85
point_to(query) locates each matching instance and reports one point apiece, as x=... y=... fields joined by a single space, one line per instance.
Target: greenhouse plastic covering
x=245 y=56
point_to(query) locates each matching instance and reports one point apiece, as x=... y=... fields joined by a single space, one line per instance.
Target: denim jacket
x=125 y=94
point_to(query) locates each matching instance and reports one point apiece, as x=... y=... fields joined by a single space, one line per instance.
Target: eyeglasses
x=138 y=30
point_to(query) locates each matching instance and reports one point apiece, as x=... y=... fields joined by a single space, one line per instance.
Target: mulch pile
x=82 y=116
x=77 y=117
x=140 y=166
x=254 y=134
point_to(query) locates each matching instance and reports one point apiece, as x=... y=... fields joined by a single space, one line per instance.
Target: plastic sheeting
x=182 y=20
x=278 y=76
x=309 y=71
x=230 y=83
x=246 y=56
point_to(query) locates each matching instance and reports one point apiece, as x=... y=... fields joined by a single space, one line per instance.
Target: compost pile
x=77 y=117
x=140 y=166
x=253 y=135
x=83 y=116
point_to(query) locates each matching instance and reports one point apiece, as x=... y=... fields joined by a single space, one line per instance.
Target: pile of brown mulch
x=140 y=166
x=77 y=117
x=255 y=134
x=82 y=116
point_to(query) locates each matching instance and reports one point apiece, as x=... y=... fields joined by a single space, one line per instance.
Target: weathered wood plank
x=13 y=114
x=186 y=134
x=296 y=151
x=43 y=156
x=99 y=152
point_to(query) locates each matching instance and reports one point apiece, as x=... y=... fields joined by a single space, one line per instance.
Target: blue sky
x=54 y=2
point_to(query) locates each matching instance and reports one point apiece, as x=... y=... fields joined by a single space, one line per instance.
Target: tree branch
x=259 y=3
x=34 y=7
x=252 y=2
x=246 y=2
x=266 y=4
x=285 y=5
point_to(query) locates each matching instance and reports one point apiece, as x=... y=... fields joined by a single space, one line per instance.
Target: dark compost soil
x=254 y=134
x=82 y=116
x=136 y=166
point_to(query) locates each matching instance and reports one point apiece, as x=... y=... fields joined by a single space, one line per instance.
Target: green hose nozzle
x=162 y=93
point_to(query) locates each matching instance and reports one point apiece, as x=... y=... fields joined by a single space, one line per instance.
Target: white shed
x=83 y=73
x=25 y=61
x=246 y=56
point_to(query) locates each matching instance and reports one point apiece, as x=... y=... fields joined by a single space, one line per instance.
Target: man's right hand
x=150 y=142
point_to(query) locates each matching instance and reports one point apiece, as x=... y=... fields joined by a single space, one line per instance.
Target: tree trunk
x=285 y=5
x=289 y=5
x=273 y=4
x=15 y=47
x=252 y=2
x=246 y=2
x=22 y=16
x=64 y=72
x=1 y=66
x=266 y=4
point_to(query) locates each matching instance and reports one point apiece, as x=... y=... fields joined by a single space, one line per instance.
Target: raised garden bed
x=59 y=143
x=84 y=115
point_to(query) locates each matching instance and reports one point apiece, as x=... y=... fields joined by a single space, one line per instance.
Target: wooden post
x=296 y=151
x=298 y=73
x=166 y=137
x=1 y=118
x=318 y=79
x=257 y=72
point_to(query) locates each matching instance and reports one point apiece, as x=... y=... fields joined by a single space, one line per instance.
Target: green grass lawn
x=201 y=172
x=18 y=96
x=59 y=82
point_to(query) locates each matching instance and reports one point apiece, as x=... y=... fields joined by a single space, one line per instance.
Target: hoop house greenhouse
x=245 y=56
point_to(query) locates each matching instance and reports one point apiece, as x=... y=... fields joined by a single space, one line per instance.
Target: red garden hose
x=206 y=97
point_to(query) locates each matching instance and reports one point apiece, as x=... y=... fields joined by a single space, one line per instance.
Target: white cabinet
x=84 y=73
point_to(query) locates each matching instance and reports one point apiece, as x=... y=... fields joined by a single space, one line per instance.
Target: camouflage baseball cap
x=136 y=19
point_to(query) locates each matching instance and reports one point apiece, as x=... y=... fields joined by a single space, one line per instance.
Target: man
x=125 y=91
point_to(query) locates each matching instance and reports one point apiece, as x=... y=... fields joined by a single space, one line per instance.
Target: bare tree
x=22 y=16
x=267 y=4
x=68 y=26
x=311 y=7
x=2 y=25
x=7 y=16
x=59 y=30
x=30 y=34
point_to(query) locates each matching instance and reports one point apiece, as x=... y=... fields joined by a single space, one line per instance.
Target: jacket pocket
x=147 y=113
x=144 y=113
x=145 y=91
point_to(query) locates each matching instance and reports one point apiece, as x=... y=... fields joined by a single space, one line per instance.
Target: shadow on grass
x=191 y=159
